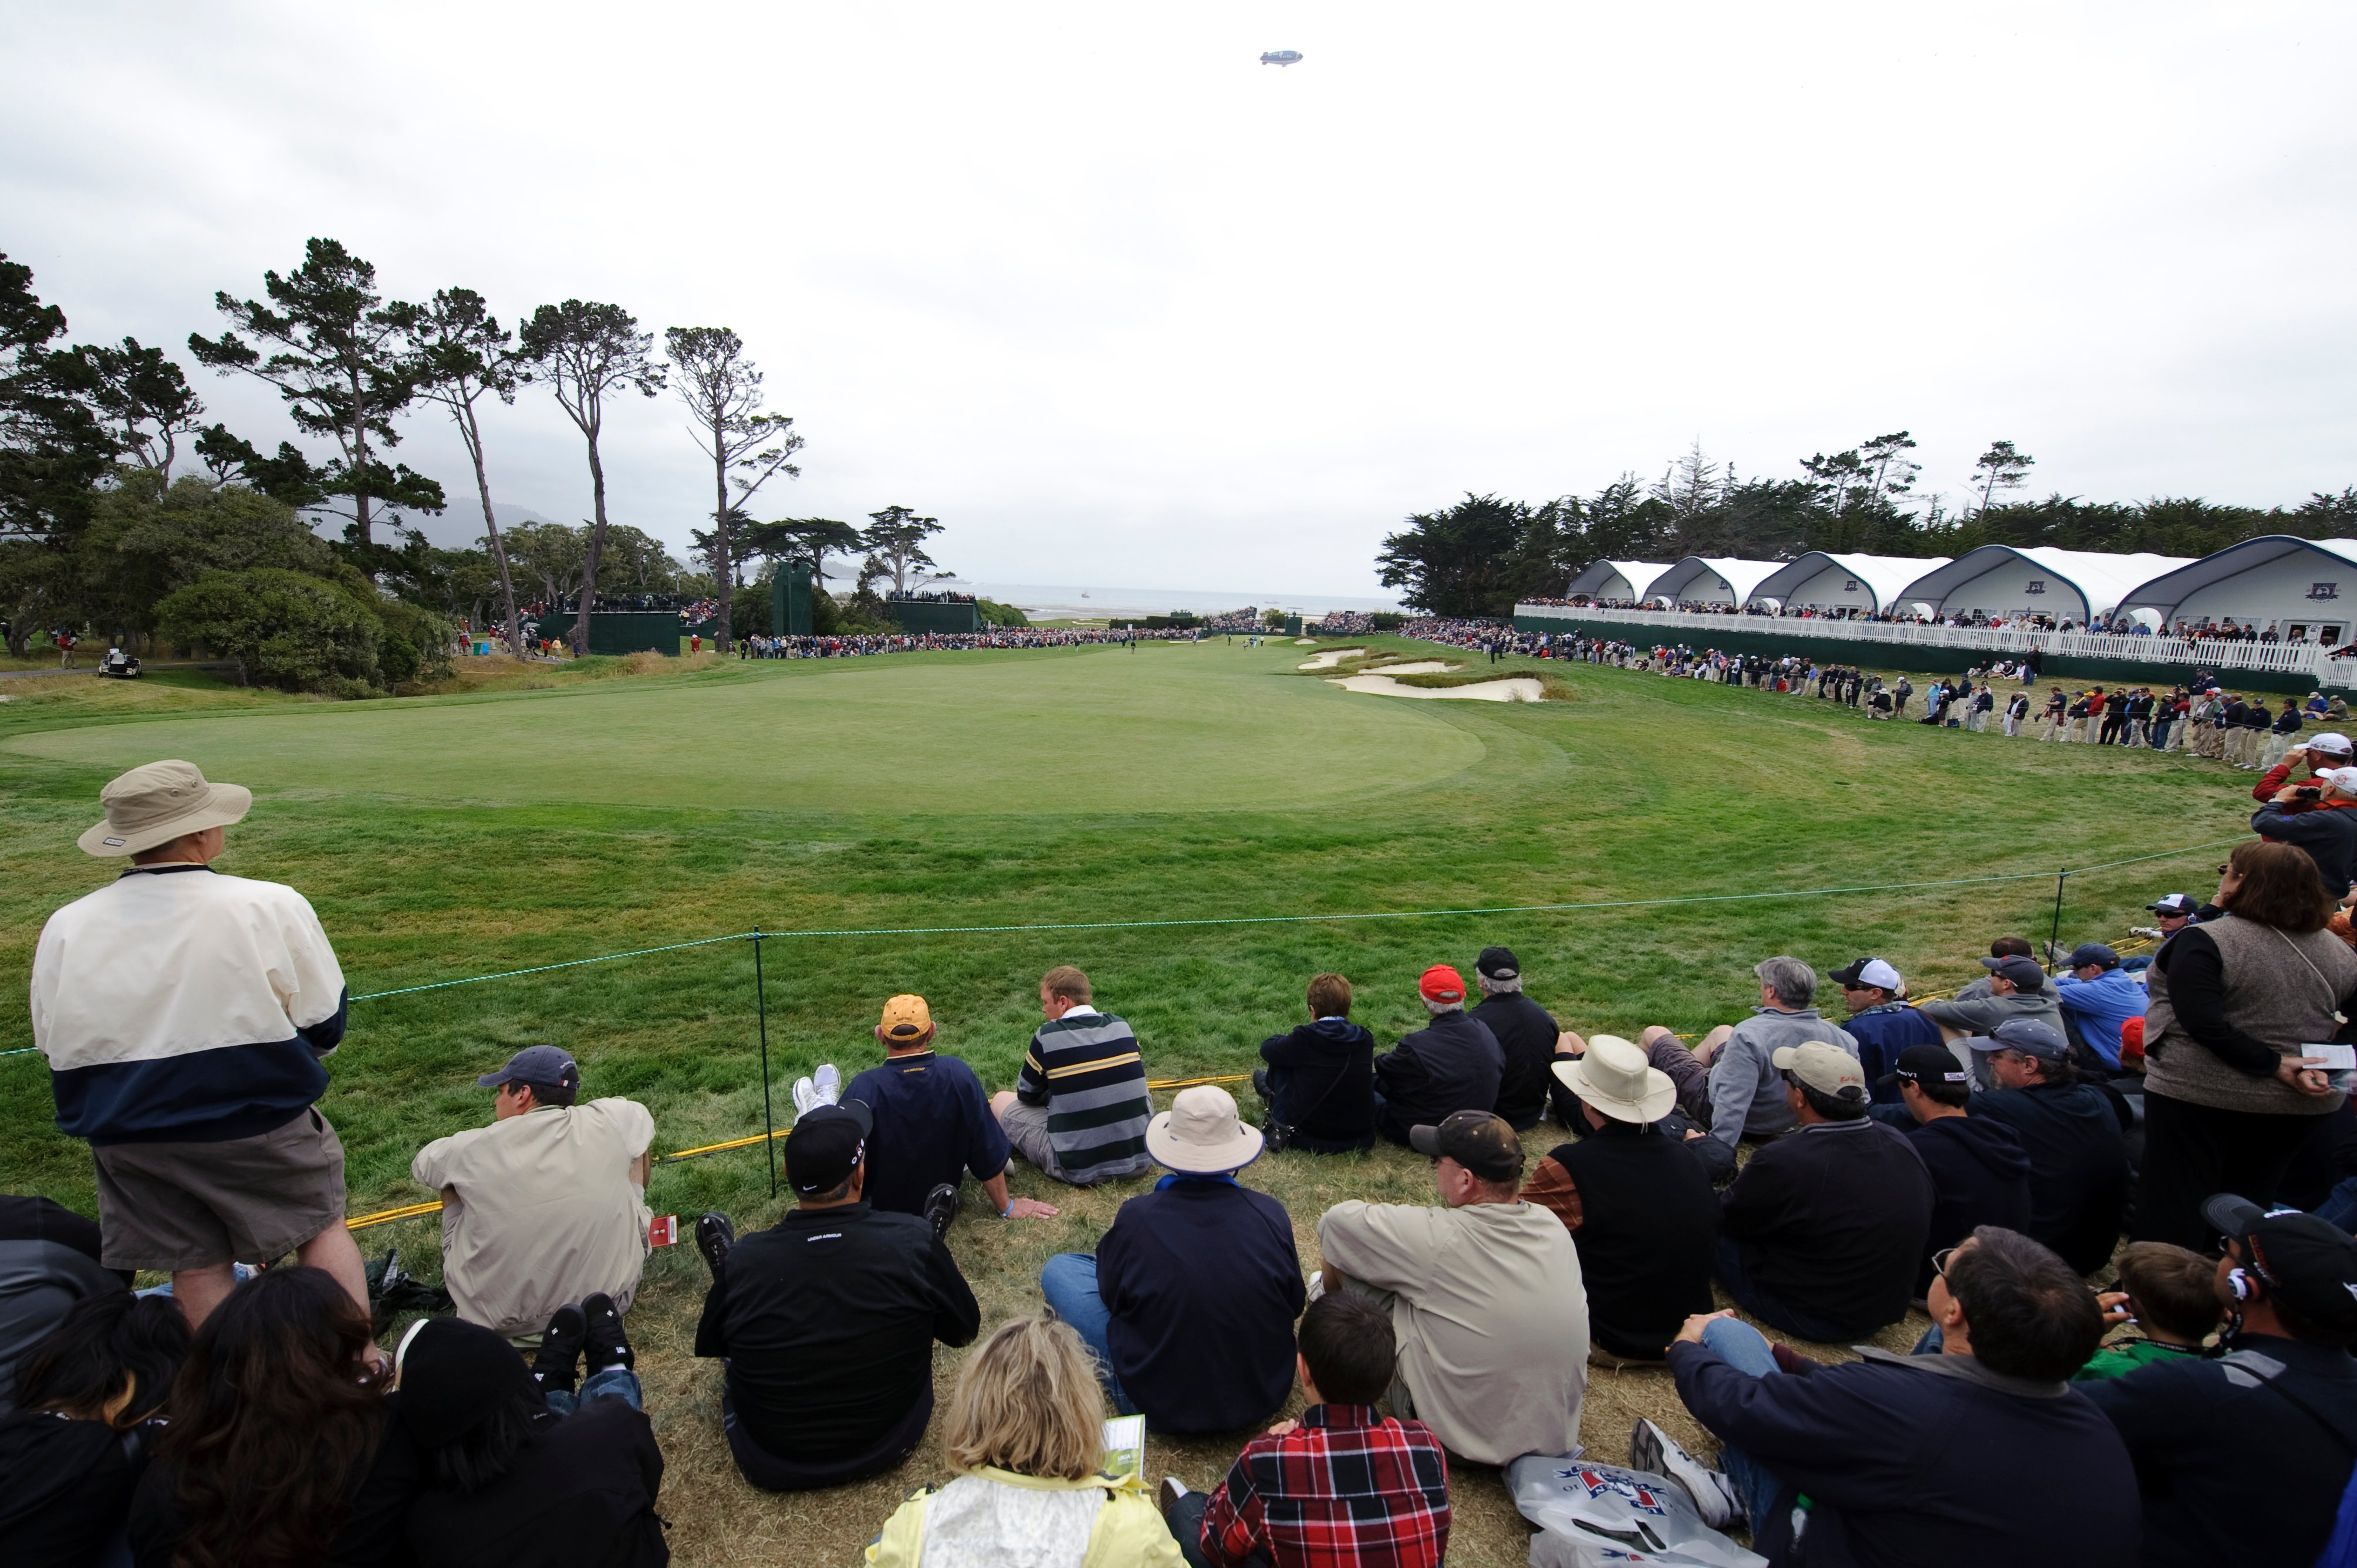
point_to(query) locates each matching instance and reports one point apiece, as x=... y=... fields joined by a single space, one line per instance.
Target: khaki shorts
x=249 y=1200
x=1026 y=1129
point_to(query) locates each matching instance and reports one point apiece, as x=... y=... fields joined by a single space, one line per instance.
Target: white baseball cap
x=2332 y=741
x=2343 y=779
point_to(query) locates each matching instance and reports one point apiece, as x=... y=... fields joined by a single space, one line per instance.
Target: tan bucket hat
x=157 y=803
x=1201 y=1135
x=1615 y=1079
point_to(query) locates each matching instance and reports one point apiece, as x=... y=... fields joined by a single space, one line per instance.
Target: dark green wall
x=919 y=617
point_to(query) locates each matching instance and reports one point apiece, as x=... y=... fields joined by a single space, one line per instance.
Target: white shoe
x=1652 y=1449
x=829 y=1084
x=805 y=1096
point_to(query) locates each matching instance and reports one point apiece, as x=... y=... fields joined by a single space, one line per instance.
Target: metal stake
x=2055 y=937
x=761 y=1009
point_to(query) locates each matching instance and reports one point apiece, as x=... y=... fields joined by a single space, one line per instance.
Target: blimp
x=1281 y=57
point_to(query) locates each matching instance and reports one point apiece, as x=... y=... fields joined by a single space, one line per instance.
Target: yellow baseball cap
x=907 y=1018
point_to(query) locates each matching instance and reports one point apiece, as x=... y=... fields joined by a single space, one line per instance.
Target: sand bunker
x=1420 y=667
x=1305 y=643
x=1519 y=689
x=1330 y=657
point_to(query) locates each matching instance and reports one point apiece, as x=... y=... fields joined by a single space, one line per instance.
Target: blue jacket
x=1897 y=1456
x=1882 y=1033
x=2101 y=1006
x=933 y=1124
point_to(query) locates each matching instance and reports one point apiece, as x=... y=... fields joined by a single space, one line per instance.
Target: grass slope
x=459 y=835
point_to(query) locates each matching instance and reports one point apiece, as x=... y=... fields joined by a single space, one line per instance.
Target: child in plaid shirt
x=1346 y=1486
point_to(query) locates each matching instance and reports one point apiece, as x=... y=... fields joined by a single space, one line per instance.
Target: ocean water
x=1067 y=601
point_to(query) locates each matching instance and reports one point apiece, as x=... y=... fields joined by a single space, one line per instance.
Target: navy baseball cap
x=2309 y=1264
x=554 y=1077
x=1922 y=1065
x=2023 y=972
x=2028 y=1036
x=2173 y=905
x=2094 y=953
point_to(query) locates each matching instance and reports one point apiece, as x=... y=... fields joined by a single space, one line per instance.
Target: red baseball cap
x=1441 y=983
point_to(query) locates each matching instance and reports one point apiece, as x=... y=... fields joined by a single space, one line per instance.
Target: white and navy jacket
x=178 y=1003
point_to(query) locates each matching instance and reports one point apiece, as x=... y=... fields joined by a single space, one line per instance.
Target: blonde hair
x=1066 y=982
x=1027 y=1401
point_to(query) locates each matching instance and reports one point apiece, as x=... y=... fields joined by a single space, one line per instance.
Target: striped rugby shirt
x=1085 y=1068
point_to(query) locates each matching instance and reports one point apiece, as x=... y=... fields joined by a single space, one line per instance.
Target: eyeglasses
x=1939 y=1259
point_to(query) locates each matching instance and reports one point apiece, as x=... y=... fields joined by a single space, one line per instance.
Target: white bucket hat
x=1201 y=1135
x=157 y=803
x=1615 y=1078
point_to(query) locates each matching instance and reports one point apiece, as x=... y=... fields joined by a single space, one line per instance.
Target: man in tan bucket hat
x=185 y=1015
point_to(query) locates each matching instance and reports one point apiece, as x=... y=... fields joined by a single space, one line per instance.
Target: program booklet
x=1125 y=1442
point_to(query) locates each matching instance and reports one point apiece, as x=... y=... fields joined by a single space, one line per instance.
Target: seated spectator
x=545 y=1206
x=1025 y=1435
x=2077 y=1163
x=521 y=1472
x=827 y=1319
x=1484 y=1293
x=1980 y=1172
x=1638 y=1204
x=1189 y=1301
x=2096 y=997
x=72 y=1454
x=1877 y=1446
x=1452 y=1064
x=1822 y=1230
x=1748 y=1098
x=1685 y=1123
x=282 y=1448
x=1078 y=1109
x=1881 y=1024
x=1525 y=1033
x=1319 y=1083
x=49 y=1261
x=2004 y=948
x=2172 y=913
x=2242 y=1458
x=932 y=1126
x=2016 y=989
x=1344 y=1484
x=2170 y=1295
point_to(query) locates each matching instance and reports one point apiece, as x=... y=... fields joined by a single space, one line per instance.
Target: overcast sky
x=1119 y=305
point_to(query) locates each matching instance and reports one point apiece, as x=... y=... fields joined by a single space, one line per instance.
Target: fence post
x=2055 y=937
x=761 y=1010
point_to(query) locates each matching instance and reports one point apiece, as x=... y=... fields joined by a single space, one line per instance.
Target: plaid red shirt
x=1347 y=1488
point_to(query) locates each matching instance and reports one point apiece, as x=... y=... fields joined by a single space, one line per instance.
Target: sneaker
x=805 y=1096
x=1260 y=1084
x=553 y=1364
x=829 y=1084
x=1652 y=1450
x=941 y=1207
x=607 y=1346
x=714 y=1236
x=1169 y=1493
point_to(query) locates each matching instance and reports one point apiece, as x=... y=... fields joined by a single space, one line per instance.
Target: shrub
x=996 y=614
x=416 y=642
x=1385 y=620
x=287 y=629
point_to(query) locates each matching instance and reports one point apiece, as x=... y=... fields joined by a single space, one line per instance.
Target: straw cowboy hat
x=157 y=803
x=1200 y=1136
x=1613 y=1077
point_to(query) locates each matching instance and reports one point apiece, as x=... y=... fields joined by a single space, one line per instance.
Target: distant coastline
x=1063 y=601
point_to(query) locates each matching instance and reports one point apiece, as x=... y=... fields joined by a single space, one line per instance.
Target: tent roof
x=2102 y=581
x=1639 y=574
x=1884 y=575
x=1743 y=576
x=2170 y=589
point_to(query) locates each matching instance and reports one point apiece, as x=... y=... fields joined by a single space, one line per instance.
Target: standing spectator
x=1881 y=1024
x=1189 y=1304
x=2096 y=996
x=2079 y=1163
x=1525 y=1033
x=545 y=1206
x=2251 y=734
x=2320 y=755
x=2016 y=709
x=826 y=1320
x=1875 y=1445
x=2287 y=724
x=1980 y=1172
x=1903 y=691
x=49 y=1261
x=1822 y=1229
x=1485 y=1296
x=1344 y=1484
x=1320 y=1084
x=1078 y=1109
x=2171 y=1295
x=2115 y=718
x=185 y=1015
x=2056 y=705
x=1638 y=1205
x=1748 y=1096
x=932 y=1126
x=2275 y=1418
x=1452 y=1064
x=2230 y=1098
x=2320 y=817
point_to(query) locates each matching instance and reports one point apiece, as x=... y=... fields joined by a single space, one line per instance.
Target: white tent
x=1710 y=580
x=1822 y=580
x=2294 y=584
x=2037 y=579
x=1615 y=580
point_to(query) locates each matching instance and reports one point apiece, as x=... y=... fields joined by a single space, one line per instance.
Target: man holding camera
x=2317 y=816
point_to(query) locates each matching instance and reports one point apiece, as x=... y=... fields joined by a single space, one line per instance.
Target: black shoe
x=1260 y=1084
x=714 y=1236
x=941 y=1207
x=553 y=1364
x=608 y=1345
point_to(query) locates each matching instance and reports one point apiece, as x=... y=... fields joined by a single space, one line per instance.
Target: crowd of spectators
x=2223 y=629
x=1977 y=1157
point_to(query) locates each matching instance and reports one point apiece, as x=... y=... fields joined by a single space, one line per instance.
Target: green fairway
x=467 y=835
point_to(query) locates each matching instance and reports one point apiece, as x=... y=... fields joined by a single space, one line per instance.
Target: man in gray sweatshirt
x=1747 y=1093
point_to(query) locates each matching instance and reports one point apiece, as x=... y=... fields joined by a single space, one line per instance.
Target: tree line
x=1479 y=556
x=97 y=529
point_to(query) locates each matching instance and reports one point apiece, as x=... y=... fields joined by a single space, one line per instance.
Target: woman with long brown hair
x=2231 y=1097
x=282 y=1451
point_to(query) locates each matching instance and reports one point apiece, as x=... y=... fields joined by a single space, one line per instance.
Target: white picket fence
x=2311 y=660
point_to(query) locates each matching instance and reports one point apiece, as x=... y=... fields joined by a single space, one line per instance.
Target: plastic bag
x=1592 y=1515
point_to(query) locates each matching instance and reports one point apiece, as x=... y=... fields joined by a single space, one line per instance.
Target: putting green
x=1164 y=728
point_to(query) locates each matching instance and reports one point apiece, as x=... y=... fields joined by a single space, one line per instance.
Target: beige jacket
x=1491 y=1315
x=541 y=1212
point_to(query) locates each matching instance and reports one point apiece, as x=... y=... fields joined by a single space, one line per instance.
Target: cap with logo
x=2309 y=1264
x=1441 y=983
x=2173 y=905
x=1827 y=1068
x=553 y=1076
x=1868 y=972
x=826 y=1146
x=906 y=1020
x=1499 y=963
x=2086 y=953
x=1924 y=1064
x=2343 y=779
x=2332 y=741
x=1477 y=1140
x=158 y=801
x=2028 y=1036
x=2022 y=972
